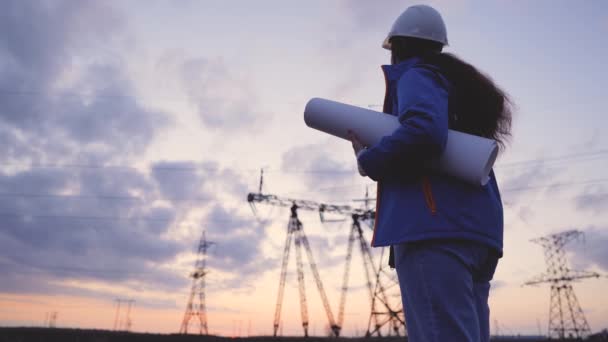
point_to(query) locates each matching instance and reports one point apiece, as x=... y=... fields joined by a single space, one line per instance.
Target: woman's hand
x=357 y=144
x=357 y=147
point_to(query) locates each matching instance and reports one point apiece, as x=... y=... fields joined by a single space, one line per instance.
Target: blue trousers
x=444 y=288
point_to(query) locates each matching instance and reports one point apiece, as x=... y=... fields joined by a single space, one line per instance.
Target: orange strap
x=428 y=195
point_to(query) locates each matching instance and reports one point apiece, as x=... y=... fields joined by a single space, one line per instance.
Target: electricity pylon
x=383 y=312
x=198 y=288
x=566 y=318
x=50 y=319
x=120 y=323
x=295 y=231
x=386 y=313
x=379 y=301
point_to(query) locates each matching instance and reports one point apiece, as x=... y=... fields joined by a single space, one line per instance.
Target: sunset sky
x=129 y=127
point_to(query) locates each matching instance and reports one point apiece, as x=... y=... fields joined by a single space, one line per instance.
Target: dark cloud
x=179 y=180
x=79 y=218
x=46 y=118
x=39 y=39
x=75 y=236
x=226 y=221
x=238 y=248
x=71 y=222
x=200 y=181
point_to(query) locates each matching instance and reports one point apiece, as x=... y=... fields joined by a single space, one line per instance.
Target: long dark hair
x=476 y=104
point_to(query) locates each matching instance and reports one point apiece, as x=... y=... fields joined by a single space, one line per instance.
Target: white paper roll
x=467 y=157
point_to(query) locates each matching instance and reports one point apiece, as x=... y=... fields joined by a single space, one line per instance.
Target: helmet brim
x=386 y=44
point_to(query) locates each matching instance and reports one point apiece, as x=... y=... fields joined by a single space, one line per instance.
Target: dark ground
x=78 y=335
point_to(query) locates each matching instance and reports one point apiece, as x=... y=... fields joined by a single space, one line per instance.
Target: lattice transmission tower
x=566 y=318
x=384 y=312
x=123 y=322
x=50 y=319
x=198 y=311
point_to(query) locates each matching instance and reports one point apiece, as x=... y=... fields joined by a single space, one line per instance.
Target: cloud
x=594 y=199
x=59 y=103
x=227 y=221
x=368 y=16
x=238 y=251
x=71 y=233
x=74 y=114
x=521 y=183
x=223 y=99
x=526 y=213
x=591 y=251
x=365 y=15
x=318 y=166
x=179 y=179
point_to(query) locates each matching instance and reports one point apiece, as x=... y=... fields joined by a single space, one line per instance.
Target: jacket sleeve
x=422 y=98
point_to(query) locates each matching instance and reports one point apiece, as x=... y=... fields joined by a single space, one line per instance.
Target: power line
x=116 y=167
x=587 y=182
x=84 y=217
x=106 y=197
x=33 y=269
x=591 y=155
x=95 y=95
x=134 y=198
x=594 y=155
x=100 y=218
x=556 y=185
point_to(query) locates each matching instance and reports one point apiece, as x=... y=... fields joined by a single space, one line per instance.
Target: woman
x=447 y=235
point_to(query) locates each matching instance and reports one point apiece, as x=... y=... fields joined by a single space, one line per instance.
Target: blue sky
x=191 y=98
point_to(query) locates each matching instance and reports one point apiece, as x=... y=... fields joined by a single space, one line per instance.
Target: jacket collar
x=393 y=72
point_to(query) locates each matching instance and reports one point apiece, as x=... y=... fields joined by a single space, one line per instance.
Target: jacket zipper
x=428 y=195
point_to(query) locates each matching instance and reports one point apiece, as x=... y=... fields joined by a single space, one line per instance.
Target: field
x=78 y=335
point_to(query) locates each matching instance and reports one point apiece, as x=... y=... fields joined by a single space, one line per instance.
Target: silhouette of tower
x=385 y=314
x=50 y=319
x=123 y=323
x=295 y=232
x=198 y=288
x=566 y=318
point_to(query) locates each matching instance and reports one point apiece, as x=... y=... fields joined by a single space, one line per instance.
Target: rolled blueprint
x=467 y=157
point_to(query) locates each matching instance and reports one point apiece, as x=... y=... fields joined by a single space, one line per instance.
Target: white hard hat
x=419 y=21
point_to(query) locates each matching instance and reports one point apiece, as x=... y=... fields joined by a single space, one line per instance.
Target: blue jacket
x=414 y=203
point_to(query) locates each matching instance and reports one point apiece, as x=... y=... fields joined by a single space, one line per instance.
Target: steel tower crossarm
x=571 y=276
x=310 y=205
